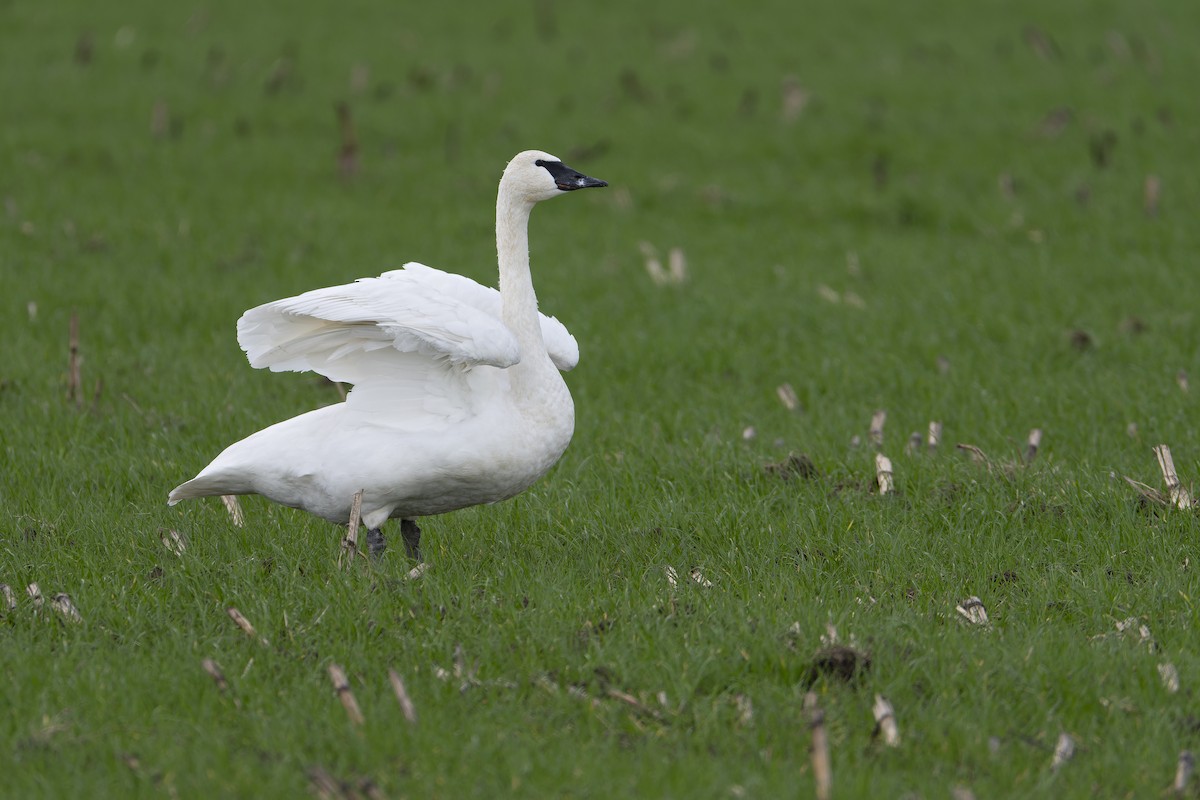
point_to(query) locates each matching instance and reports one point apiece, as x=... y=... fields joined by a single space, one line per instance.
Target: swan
x=457 y=398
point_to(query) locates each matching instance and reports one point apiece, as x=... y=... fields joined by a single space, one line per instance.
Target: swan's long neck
x=536 y=387
x=519 y=308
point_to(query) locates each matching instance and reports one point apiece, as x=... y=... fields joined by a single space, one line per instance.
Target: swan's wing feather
x=339 y=332
x=560 y=344
x=563 y=349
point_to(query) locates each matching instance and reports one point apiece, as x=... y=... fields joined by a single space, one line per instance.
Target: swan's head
x=533 y=176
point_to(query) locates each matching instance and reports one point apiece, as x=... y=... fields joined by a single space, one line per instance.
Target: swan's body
x=457 y=396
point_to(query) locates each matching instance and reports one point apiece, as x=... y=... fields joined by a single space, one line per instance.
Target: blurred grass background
x=938 y=209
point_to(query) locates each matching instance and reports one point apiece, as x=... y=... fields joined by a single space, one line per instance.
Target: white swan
x=457 y=396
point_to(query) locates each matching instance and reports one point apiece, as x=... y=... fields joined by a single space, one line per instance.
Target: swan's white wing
x=560 y=344
x=407 y=341
x=343 y=332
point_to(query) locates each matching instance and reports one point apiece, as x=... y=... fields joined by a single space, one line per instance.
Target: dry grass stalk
x=1134 y=625
x=883 y=474
x=466 y=675
x=1170 y=676
x=35 y=594
x=672 y=576
x=579 y=693
x=793 y=99
x=972 y=611
x=787 y=396
x=348 y=151
x=914 y=443
x=214 y=672
x=1178 y=493
x=244 y=624
x=854 y=300
x=699 y=578
x=635 y=704
x=160 y=120
x=1064 y=750
x=656 y=272
x=406 y=704
x=1147 y=493
x=876 y=430
x=416 y=571
x=10 y=597
x=341 y=685
x=62 y=603
x=853 y=265
x=1183 y=771
x=885 y=719
x=622 y=198
x=977 y=455
x=745 y=709
x=74 y=372
x=460 y=663
x=935 y=435
x=327 y=787
x=1151 y=192
x=175 y=542
x=1144 y=638
x=822 y=773
x=545 y=682
x=235 y=510
x=370 y=790
x=360 y=78
x=1181 y=378
x=1032 y=444
x=676 y=271
x=350 y=540
x=677 y=265
x=50 y=727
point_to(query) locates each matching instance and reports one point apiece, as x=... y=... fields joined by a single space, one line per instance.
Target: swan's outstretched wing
x=328 y=330
x=343 y=332
x=560 y=344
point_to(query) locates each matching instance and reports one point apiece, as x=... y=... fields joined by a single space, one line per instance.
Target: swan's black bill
x=568 y=179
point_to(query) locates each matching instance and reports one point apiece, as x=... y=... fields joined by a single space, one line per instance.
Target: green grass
x=914 y=113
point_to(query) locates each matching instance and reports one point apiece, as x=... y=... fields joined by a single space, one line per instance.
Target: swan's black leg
x=412 y=539
x=375 y=542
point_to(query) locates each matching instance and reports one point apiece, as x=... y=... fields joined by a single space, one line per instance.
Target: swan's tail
x=203 y=486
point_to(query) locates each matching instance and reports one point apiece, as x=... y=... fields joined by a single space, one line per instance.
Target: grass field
x=945 y=210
